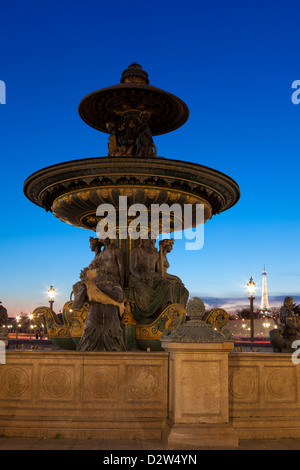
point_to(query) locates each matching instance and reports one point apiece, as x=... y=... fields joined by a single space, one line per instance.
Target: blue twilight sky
x=232 y=62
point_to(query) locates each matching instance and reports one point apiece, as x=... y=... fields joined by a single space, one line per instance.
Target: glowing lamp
x=251 y=287
x=51 y=293
x=251 y=290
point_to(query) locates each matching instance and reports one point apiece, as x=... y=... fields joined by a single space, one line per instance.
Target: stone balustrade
x=126 y=395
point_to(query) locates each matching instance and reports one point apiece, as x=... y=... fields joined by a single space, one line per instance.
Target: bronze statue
x=130 y=135
x=3 y=315
x=288 y=330
x=150 y=290
x=108 y=263
x=94 y=293
x=3 y=324
x=144 y=145
x=166 y=247
x=181 y=293
x=96 y=245
x=113 y=148
x=285 y=310
x=99 y=287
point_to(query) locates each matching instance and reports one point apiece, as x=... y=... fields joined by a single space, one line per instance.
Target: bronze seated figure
x=288 y=329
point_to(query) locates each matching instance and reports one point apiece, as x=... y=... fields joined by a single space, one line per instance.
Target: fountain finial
x=134 y=74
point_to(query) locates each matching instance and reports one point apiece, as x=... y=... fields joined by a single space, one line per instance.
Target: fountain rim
x=69 y=163
x=121 y=87
x=220 y=191
x=44 y=186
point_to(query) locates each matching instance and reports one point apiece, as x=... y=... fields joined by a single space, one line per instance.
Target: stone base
x=80 y=428
x=83 y=395
x=264 y=391
x=278 y=427
x=200 y=436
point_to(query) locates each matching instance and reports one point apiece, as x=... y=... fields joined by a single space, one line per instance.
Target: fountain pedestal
x=198 y=386
x=198 y=396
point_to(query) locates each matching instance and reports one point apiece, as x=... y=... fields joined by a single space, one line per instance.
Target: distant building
x=264 y=306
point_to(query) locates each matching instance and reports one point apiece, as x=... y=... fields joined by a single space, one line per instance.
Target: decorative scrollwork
x=217 y=317
x=173 y=316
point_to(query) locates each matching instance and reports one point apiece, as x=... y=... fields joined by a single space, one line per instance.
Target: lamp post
x=17 y=329
x=51 y=295
x=30 y=325
x=251 y=290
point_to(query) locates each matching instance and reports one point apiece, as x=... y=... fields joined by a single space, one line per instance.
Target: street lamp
x=51 y=295
x=251 y=290
x=30 y=325
x=17 y=328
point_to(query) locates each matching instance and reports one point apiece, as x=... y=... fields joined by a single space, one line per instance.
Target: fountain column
x=198 y=387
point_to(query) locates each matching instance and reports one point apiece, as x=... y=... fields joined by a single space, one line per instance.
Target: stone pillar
x=198 y=388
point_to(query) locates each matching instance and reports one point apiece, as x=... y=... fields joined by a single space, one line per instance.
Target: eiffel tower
x=264 y=306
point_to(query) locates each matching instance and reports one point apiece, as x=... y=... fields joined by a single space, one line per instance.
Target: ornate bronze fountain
x=131 y=112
